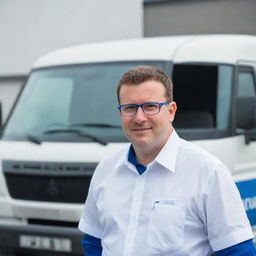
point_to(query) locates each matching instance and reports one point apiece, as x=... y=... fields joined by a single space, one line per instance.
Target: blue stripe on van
x=247 y=191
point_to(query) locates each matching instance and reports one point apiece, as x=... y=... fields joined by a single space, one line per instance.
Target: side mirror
x=246 y=118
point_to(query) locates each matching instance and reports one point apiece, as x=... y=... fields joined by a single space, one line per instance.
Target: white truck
x=65 y=120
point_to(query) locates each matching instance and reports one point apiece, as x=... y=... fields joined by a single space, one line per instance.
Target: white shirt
x=184 y=204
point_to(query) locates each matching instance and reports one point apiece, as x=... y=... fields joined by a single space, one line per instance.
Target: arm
x=90 y=224
x=91 y=245
x=242 y=249
x=223 y=212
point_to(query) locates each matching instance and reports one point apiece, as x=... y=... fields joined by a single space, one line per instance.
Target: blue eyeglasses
x=148 y=108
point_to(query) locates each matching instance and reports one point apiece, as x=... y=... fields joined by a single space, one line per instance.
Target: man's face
x=147 y=132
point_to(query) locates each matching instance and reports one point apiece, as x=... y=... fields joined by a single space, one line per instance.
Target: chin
x=141 y=143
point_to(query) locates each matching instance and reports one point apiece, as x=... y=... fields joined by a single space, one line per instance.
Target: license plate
x=45 y=243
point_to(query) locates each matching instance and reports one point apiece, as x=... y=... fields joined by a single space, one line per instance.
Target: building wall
x=175 y=17
x=30 y=29
x=9 y=89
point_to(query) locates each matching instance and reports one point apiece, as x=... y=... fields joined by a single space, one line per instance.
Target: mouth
x=140 y=129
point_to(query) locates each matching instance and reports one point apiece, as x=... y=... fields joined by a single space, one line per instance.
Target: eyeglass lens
x=148 y=109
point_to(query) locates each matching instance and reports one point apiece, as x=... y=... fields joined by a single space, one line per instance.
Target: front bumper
x=41 y=239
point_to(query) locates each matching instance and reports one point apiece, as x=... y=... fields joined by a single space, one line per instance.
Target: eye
x=129 y=108
x=150 y=106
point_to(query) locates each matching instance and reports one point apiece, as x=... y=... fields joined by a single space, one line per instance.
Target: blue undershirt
x=92 y=245
x=132 y=159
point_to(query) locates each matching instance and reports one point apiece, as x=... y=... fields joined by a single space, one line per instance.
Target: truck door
x=245 y=128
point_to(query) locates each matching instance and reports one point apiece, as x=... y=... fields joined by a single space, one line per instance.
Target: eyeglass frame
x=160 y=104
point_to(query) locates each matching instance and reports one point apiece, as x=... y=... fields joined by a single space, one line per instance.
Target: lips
x=140 y=129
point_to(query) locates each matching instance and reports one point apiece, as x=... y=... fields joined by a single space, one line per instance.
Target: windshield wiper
x=34 y=139
x=97 y=125
x=78 y=132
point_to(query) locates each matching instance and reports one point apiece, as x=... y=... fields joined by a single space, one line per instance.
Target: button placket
x=134 y=215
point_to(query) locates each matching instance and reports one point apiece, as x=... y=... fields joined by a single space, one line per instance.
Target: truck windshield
x=70 y=103
x=78 y=103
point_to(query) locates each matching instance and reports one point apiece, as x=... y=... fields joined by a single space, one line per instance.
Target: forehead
x=150 y=90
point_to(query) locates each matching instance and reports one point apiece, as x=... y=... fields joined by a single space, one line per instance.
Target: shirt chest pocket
x=166 y=227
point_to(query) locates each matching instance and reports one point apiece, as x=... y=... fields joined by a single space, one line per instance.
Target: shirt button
x=133 y=216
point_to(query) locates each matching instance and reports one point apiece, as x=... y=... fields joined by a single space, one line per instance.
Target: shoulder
x=198 y=161
x=190 y=151
x=108 y=164
x=115 y=157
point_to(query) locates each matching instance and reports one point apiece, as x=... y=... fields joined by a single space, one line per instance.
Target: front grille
x=48 y=181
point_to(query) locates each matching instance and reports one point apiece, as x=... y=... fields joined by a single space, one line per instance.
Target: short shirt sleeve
x=89 y=221
x=223 y=212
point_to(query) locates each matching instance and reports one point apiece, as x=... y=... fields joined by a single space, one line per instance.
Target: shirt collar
x=166 y=157
x=123 y=157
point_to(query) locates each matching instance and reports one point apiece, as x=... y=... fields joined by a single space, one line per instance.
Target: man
x=161 y=195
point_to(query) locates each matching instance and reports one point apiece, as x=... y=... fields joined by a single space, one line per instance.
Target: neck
x=145 y=155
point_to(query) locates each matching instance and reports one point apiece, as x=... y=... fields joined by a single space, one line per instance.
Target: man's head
x=139 y=74
x=148 y=126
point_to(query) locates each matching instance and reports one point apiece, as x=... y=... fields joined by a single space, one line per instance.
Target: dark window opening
x=195 y=92
x=246 y=101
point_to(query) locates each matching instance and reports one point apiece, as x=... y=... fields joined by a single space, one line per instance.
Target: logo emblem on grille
x=52 y=188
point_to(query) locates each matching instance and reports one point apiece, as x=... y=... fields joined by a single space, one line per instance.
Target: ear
x=172 y=110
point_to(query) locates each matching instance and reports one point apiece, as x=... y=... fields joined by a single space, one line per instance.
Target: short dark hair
x=140 y=74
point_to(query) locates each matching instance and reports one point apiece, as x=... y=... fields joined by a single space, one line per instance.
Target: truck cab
x=65 y=121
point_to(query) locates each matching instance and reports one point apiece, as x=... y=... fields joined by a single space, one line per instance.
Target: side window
x=246 y=86
x=246 y=99
x=203 y=96
x=195 y=91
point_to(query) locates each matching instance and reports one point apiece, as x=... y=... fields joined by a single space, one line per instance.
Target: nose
x=140 y=116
